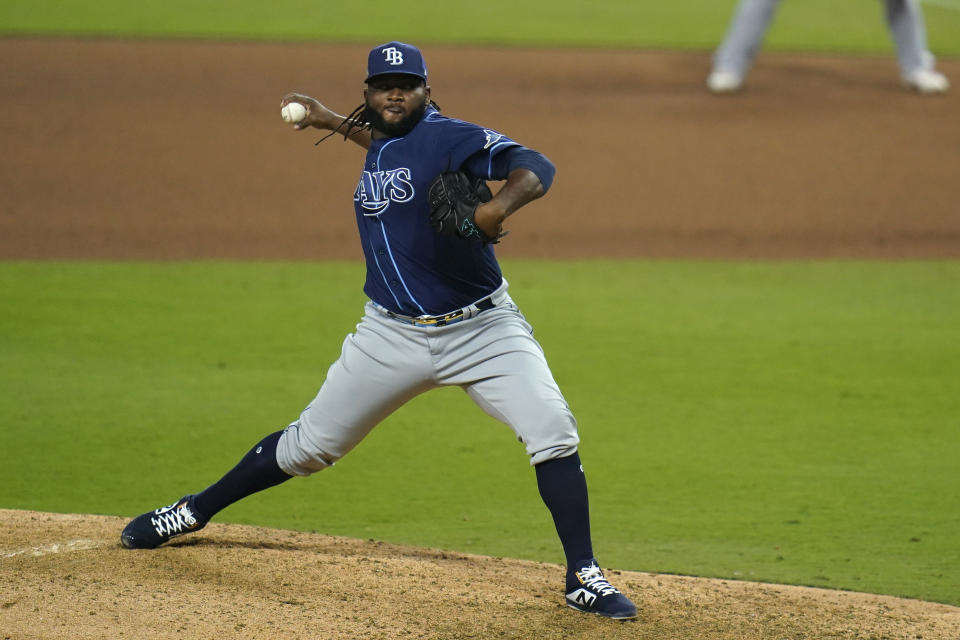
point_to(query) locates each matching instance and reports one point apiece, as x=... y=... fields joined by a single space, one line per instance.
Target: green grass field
x=786 y=422
x=853 y=26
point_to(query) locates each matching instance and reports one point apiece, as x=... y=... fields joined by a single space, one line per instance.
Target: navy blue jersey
x=412 y=269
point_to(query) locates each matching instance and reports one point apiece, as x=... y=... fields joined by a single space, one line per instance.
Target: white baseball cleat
x=724 y=81
x=926 y=81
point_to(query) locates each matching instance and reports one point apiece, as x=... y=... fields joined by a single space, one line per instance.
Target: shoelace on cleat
x=592 y=578
x=174 y=521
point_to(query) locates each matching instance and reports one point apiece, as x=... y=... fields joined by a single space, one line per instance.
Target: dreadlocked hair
x=355 y=121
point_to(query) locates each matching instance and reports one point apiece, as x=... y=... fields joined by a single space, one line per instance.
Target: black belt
x=441 y=321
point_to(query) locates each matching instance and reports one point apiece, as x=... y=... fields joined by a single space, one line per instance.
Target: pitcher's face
x=395 y=103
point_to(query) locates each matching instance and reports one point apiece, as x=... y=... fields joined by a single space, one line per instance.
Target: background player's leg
x=905 y=19
x=734 y=56
x=746 y=32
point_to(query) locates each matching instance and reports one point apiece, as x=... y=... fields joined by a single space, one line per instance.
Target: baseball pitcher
x=439 y=313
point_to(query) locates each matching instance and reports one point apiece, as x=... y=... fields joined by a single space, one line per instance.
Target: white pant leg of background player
x=503 y=369
x=905 y=19
x=744 y=36
x=382 y=365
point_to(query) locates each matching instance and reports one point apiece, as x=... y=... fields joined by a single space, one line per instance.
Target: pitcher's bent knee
x=298 y=456
x=554 y=438
x=559 y=450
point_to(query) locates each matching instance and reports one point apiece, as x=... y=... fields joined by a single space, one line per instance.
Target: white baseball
x=293 y=113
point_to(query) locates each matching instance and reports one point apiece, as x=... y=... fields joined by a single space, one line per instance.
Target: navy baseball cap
x=396 y=57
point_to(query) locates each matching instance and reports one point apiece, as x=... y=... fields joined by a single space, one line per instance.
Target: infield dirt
x=176 y=150
x=169 y=150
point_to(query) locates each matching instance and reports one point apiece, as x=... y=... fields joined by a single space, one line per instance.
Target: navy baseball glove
x=454 y=198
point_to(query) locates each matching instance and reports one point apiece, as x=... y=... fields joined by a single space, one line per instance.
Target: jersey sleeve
x=498 y=167
x=462 y=140
x=485 y=153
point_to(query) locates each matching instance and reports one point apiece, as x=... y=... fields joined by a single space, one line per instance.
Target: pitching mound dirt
x=66 y=576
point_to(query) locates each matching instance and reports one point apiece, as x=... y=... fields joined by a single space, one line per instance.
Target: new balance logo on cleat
x=153 y=528
x=582 y=596
x=589 y=591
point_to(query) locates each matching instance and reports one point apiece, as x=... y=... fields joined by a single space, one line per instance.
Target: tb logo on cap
x=393 y=55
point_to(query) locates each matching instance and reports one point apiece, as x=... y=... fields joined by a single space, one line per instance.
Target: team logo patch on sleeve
x=492 y=138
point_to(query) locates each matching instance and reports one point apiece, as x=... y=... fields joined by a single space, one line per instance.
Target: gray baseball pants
x=492 y=355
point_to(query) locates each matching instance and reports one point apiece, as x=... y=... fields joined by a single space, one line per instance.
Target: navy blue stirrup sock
x=563 y=488
x=256 y=471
